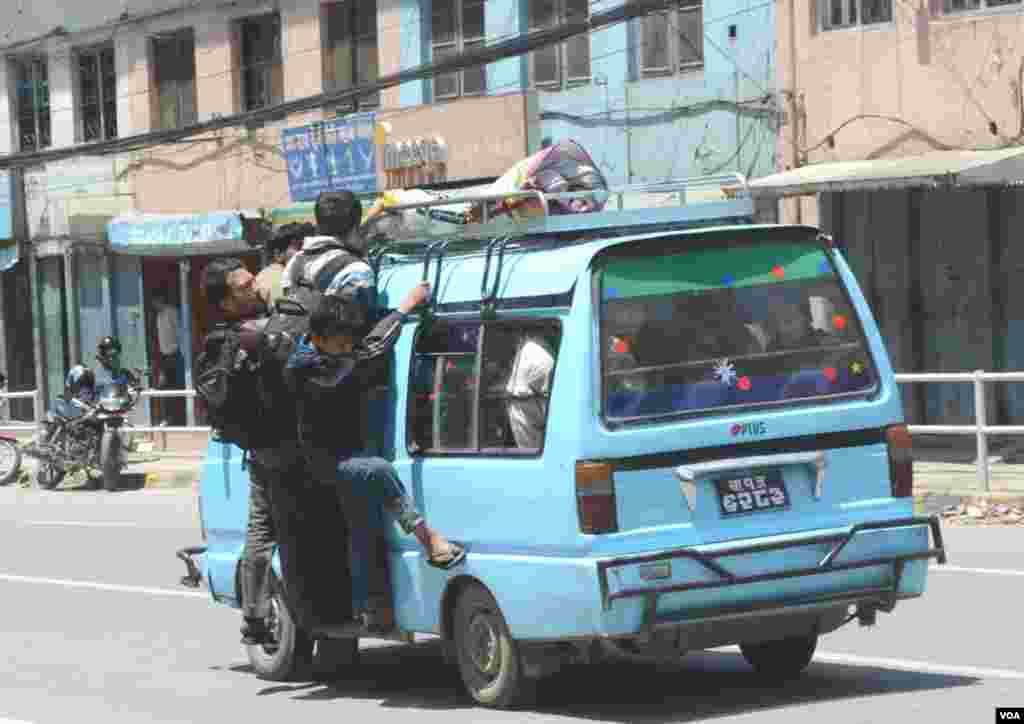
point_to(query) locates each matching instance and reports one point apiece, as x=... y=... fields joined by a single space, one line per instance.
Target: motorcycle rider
x=110 y=371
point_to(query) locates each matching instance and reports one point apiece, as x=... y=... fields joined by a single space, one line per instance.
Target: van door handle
x=688 y=474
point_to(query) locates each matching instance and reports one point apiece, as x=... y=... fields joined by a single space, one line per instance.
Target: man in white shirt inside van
x=529 y=387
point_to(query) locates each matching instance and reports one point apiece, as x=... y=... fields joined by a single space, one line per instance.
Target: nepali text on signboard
x=177 y=234
x=331 y=156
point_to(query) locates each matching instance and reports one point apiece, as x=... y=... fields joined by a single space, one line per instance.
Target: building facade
x=926 y=98
x=101 y=233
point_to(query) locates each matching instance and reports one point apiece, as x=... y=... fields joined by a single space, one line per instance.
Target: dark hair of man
x=215 y=279
x=337 y=213
x=333 y=316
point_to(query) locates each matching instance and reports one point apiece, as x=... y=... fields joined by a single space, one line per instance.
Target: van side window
x=442 y=392
x=507 y=415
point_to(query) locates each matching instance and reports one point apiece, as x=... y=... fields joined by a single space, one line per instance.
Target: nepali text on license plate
x=752 y=493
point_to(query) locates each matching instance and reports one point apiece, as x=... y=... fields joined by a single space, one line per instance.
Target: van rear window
x=727 y=327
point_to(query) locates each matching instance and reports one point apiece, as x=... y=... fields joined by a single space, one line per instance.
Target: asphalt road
x=93 y=627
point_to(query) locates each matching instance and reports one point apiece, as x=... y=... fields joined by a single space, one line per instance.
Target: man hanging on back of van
x=333 y=263
x=332 y=278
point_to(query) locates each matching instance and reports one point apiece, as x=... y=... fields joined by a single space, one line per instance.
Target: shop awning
x=219 y=232
x=1001 y=167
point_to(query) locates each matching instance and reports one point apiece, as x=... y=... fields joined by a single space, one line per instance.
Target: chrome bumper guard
x=827 y=565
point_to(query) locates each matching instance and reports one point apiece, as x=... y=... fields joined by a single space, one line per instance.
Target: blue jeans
x=369 y=488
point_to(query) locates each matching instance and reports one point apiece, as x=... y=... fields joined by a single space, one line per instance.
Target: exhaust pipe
x=194 y=577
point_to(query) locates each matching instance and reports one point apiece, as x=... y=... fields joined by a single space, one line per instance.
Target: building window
x=97 y=94
x=260 y=61
x=33 y=93
x=482 y=388
x=457 y=26
x=174 y=76
x=350 y=48
x=672 y=41
x=565 y=64
x=960 y=6
x=837 y=14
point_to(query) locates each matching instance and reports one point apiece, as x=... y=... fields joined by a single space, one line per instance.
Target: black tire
x=48 y=476
x=291 y=656
x=486 y=654
x=332 y=658
x=782 y=659
x=111 y=455
x=10 y=461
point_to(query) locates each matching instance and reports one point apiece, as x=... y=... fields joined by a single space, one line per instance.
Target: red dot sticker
x=839 y=321
x=778 y=272
x=621 y=346
x=451 y=366
x=831 y=373
x=744 y=383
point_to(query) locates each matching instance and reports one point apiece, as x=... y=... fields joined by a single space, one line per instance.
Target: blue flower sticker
x=728 y=280
x=825 y=267
x=611 y=293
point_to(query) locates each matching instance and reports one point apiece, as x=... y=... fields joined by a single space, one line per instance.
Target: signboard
x=334 y=155
x=178 y=234
x=8 y=246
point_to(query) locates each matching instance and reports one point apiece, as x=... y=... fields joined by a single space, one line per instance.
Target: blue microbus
x=718 y=454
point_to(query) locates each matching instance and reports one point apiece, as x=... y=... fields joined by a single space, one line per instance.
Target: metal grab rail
x=980 y=429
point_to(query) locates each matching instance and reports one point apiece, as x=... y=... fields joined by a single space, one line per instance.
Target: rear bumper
x=721 y=577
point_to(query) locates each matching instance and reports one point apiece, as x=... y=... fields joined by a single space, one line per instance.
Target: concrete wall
x=939 y=79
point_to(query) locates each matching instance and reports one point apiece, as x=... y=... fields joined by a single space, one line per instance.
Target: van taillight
x=595 y=498
x=901 y=461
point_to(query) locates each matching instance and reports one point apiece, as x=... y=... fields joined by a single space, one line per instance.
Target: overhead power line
x=511 y=48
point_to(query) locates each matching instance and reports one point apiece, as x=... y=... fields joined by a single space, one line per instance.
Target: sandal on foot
x=455 y=555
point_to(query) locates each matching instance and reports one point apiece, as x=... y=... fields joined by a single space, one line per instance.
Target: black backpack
x=231 y=383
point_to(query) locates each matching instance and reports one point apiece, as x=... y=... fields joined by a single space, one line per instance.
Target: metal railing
x=980 y=429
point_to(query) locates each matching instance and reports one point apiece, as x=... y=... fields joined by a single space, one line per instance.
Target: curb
x=935 y=501
x=167 y=479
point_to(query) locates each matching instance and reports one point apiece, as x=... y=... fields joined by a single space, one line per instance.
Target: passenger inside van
x=790 y=327
x=529 y=387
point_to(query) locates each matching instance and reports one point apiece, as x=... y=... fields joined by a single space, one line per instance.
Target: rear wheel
x=111 y=456
x=487 y=656
x=783 y=659
x=290 y=655
x=10 y=460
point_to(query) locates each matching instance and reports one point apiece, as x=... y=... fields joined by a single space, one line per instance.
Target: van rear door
x=738 y=352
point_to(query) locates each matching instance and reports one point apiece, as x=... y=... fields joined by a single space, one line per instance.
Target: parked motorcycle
x=10 y=453
x=89 y=440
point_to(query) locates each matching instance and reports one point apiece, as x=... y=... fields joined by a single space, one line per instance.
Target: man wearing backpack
x=333 y=263
x=238 y=388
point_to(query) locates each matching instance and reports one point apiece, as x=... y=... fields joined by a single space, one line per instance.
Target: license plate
x=752 y=493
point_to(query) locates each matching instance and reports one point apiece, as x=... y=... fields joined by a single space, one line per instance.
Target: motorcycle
x=10 y=452
x=89 y=440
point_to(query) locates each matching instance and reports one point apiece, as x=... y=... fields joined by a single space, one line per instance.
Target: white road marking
x=96 y=586
x=986 y=571
x=13 y=721
x=924 y=667
x=84 y=524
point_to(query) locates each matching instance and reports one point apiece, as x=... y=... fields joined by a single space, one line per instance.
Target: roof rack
x=721 y=196
x=662 y=206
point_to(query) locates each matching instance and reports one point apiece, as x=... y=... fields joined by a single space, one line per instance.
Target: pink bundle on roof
x=562 y=167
